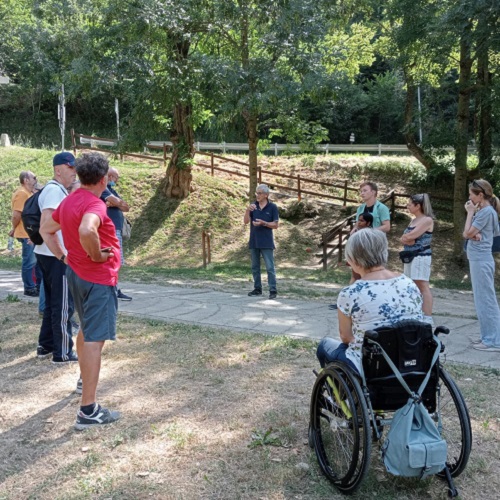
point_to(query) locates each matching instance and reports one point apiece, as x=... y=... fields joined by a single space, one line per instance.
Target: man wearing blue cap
x=55 y=333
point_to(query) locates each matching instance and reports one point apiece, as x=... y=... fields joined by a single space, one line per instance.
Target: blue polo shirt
x=260 y=236
x=114 y=213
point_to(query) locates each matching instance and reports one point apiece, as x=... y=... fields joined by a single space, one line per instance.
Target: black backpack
x=31 y=216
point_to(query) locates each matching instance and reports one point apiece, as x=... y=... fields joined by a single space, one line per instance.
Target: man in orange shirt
x=28 y=181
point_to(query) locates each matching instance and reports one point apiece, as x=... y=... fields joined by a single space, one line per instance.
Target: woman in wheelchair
x=380 y=298
x=348 y=411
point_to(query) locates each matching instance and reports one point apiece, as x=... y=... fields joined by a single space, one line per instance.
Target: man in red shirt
x=93 y=262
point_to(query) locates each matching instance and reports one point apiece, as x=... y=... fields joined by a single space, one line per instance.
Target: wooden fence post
x=212 y=163
x=339 y=256
x=325 y=263
x=393 y=205
x=259 y=174
x=204 y=246
x=298 y=187
x=209 y=251
x=345 y=192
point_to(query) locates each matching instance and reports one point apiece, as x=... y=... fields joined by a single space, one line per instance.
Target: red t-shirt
x=69 y=215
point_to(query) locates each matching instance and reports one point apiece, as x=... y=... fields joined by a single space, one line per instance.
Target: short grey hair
x=367 y=248
x=263 y=187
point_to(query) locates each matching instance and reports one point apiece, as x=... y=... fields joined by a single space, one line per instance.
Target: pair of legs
x=268 y=256
x=55 y=332
x=333 y=350
x=97 y=306
x=419 y=270
x=28 y=266
x=482 y=274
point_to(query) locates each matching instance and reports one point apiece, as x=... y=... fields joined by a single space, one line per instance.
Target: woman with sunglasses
x=481 y=225
x=417 y=237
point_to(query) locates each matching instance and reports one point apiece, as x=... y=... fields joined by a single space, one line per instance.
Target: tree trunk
x=251 y=129
x=462 y=140
x=483 y=109
x=409 y=133
x=179 y=174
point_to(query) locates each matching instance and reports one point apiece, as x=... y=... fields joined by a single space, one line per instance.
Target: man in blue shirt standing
x=116 y=207
x=263 y=218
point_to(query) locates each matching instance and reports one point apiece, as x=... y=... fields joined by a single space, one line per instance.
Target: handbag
x=407 y=256
x=126 y=229
x=414 y=446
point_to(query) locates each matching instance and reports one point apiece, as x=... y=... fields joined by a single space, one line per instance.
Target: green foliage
x=264 y=438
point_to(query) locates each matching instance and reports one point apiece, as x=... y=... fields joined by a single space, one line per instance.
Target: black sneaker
x=101 y=416
x=71 y=358
x=32 y=292
x=42 y=353
x=122 y=296
x=255 y=292
x=272 y=295
x=333 y=307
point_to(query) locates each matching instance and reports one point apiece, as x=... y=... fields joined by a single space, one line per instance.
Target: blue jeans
x=333 y=350
x=28 y=264
x=268 y=256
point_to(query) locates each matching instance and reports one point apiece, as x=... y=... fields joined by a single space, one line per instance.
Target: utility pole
x=117 y=112
x=61 y=115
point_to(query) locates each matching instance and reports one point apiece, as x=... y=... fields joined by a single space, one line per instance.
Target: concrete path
x=299 y=318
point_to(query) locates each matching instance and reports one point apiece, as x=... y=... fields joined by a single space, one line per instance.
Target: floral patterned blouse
x=374 y=303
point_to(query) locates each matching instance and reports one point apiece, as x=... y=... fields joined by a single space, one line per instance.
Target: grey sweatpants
x=482 y=274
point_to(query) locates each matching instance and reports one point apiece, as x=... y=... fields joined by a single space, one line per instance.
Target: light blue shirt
x=486 y=220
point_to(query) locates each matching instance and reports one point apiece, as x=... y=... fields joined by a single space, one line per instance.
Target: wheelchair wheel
x=340 y=427
x=455 y=420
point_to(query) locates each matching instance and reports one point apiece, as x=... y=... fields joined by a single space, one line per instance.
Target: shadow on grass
x=153 y=216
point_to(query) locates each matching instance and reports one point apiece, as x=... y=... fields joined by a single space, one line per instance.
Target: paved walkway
x=300 y=318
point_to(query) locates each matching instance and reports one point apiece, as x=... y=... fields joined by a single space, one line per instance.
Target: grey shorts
x=419 y=268
x=96 y=306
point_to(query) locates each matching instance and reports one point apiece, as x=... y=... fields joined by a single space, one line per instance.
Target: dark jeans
x=268 y=256
x=55 y=332
x=28 y=265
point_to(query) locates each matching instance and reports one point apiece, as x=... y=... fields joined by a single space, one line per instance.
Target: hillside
x=167 y=233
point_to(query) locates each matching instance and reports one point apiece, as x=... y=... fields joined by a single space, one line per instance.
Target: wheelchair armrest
x=441 y=329
x=371 y=334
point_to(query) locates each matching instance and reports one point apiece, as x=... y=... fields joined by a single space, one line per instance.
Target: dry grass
x=196 y=405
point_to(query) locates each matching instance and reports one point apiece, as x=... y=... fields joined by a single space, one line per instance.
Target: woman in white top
x=380 y=298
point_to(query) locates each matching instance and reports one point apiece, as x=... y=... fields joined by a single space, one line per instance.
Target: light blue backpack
x=413 y=446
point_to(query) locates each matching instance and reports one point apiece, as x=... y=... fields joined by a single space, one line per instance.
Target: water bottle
x=10 y=244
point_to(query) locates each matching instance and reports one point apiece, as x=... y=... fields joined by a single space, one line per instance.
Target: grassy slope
x=166 y=238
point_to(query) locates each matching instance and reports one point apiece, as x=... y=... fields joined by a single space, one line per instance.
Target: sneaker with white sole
x=79 y=386
x=101 y=416
x=42 y=353
x=69 y=358
x=486 y=348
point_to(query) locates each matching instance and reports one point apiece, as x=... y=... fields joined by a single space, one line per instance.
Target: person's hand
x=470 y=207
x=106 y=253
x=354 y=230
x=251 y=207
x=477 y=237
x=258 y=222
x=11 y=233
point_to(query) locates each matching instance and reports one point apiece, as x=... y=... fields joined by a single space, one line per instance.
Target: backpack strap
x=398 y=373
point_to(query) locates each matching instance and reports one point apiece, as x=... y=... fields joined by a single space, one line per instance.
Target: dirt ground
x=207 y=414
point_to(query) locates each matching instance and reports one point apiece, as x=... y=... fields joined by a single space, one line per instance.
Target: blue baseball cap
x=64 y=158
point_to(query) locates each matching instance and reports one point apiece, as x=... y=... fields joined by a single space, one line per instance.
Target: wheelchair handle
x=371 y=334
x=441 y=329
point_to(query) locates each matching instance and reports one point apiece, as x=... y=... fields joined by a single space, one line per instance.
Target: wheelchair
x=347 y=416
